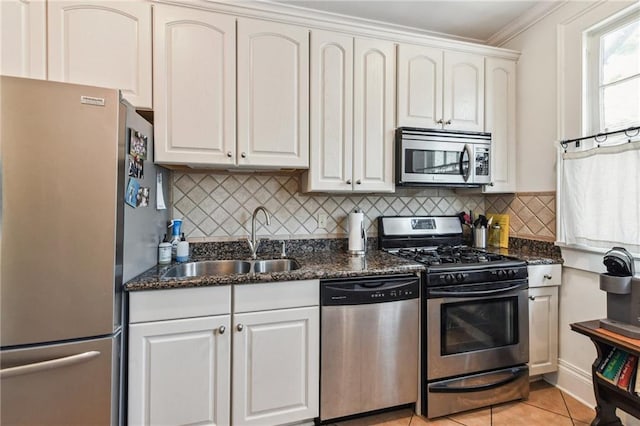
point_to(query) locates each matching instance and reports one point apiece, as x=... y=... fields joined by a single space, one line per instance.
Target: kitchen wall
x=549 y=108
x=532 y=215
x=219 y=206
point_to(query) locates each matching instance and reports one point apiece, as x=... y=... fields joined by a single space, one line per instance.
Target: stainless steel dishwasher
x=369 y=344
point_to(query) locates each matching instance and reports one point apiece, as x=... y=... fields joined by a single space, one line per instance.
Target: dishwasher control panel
x=371 y=290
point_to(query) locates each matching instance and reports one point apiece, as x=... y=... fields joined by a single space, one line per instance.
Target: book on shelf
x=613 y=367
x=606 y=360
x=627 y=371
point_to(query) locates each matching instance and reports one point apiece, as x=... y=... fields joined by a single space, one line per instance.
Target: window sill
x=587 y=258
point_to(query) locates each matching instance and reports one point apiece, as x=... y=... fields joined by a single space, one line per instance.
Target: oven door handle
x=444 y=293
x=450 y=387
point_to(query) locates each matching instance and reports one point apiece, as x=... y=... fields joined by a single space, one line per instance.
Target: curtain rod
x=602 y=137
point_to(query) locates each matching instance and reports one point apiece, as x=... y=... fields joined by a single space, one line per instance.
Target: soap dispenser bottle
x=176 y=225
x=182 y=252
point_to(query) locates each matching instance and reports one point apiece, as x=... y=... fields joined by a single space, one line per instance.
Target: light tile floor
x=546 y=406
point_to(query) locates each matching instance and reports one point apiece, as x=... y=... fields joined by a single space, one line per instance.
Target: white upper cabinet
x=331 y=113
x=194 y=87
x=102 y=43
x=419 y=86
x=463 y=99
x=352 y=114
x=273 y=94
x=23 y=38
x=500 y=108
x=440 y=89
x=374 y=113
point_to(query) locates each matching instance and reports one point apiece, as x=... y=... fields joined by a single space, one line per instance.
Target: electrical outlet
x=322 y=220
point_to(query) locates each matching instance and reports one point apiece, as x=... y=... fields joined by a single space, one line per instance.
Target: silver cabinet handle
x=348 y=181
x=243 y=155
x=229 y=154
x=240 y=327
x=359 y=182
x=532 y=298
x=547 y=277
x=48 y=365
x=222 y=329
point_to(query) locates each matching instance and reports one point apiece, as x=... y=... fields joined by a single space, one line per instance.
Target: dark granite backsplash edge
x=239 y=249
x=271 y=248
x=535 y=247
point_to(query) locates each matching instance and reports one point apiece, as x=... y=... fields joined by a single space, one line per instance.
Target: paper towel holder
x=357 y=234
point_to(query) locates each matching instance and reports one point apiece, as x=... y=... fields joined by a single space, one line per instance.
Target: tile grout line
x=564 y=401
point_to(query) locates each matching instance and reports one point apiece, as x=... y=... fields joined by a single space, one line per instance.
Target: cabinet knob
x=348 y=181
x=532 y=298
x=359 y=182
x=547 y=277
x=243 y=155
x=222 y=329
x=439 y=121
x=229 y=154
x=240 y=327
x=448 y=122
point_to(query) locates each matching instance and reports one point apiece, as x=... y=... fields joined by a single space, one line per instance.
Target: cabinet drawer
x=544 y=275
x=156 y=305
x=276 y=295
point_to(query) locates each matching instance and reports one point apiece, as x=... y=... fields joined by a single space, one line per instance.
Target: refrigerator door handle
x=48 y=365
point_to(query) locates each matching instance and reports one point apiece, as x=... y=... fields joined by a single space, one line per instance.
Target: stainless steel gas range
x=474 y=316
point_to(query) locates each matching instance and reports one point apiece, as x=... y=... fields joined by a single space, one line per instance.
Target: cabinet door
x=500 y=108
x=194 y=88
x=373 y=115
x=543 y=330
x=179 y=372
x=23 y=38
x=463 y=97
x=273 y=94
x=419 y=86
x=276 y=366
x=331 y=108
x=102 y=43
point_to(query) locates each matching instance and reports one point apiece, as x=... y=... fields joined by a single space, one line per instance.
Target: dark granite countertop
x=313 y=265
x=531 y=251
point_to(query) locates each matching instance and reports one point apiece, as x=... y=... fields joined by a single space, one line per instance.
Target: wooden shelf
x=609 y=396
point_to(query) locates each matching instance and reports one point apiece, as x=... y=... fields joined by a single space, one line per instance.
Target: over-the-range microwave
x=426 y=157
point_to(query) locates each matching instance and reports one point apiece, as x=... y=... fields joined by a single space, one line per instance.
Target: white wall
x=549 y=109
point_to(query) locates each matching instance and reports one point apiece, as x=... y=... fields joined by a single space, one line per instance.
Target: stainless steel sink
x=208 y=267
x=275 y=265
x=227 y=267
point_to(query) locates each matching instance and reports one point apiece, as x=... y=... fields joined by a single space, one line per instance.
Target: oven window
x=434 y=162
x=477 y=325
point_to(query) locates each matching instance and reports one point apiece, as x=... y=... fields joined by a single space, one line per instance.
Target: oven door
x=469 y=332
x=430 y=162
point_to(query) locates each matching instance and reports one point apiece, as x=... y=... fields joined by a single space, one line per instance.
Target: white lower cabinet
x=275 y=366
x=179 y=372
x=184 y=342
x=544 y=281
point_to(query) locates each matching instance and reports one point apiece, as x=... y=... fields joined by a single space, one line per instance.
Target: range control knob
x=501 y=274
x=449 y=278
x=459 y=277
x=512 y=273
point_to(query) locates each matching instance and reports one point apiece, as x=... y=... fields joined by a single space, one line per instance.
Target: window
x=613 y=74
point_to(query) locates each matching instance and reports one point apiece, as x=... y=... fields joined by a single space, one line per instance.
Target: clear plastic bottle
x=182 y=252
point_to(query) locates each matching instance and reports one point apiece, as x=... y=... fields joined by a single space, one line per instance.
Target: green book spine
x=606 y=360
x=612 y=370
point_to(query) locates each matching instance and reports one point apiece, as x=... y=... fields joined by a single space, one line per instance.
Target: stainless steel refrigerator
x=68 y=243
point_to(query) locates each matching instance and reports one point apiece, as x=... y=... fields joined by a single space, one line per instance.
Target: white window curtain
x=600 y=202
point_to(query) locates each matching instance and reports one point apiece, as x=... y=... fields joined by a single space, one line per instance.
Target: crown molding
x=525 y=21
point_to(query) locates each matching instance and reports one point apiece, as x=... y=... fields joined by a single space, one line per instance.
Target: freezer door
x=60 y=153
x=67 y=384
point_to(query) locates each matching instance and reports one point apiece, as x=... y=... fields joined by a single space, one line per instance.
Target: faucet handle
x=283 y=253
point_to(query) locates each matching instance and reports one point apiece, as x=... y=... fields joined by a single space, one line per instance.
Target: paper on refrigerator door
x=160 y=197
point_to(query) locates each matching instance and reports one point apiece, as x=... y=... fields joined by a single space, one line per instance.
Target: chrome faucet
x=253 y=243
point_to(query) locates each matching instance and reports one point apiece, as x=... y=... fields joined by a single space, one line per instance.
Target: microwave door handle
x=466 y=173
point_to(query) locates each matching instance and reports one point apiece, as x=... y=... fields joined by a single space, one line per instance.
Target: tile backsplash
x=532 y=215
x=219 y=206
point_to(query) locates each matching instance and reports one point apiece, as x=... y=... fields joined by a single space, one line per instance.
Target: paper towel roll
x=357 y=234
